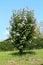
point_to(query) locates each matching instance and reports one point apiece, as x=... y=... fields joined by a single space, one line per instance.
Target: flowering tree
x=22 y=26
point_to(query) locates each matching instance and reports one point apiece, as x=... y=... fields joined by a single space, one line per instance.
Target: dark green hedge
x=6 y=46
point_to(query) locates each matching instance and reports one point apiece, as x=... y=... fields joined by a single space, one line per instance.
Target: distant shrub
x=6 y=46
x=38 y=43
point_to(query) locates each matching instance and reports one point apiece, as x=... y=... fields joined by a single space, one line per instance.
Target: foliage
x=6 y=45
x=38 y=43
x=22 y=26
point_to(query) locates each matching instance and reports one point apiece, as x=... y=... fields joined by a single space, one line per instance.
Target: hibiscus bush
x=22 y=26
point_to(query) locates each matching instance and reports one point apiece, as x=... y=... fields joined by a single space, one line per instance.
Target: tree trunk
x=21 y=51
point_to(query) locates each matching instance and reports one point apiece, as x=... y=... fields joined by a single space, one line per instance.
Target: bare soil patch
x=35 y=60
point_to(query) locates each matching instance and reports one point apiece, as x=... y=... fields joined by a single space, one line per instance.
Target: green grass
x=30 y=57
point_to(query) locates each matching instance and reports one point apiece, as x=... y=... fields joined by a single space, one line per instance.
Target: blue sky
x=7 y=6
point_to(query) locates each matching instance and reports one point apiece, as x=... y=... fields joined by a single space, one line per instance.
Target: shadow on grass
x=24 y=53
x=41 y=64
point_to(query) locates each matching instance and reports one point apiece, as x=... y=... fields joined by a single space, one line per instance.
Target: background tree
x=22 y=26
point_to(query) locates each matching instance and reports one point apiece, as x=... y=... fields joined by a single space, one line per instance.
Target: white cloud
x=6 y=32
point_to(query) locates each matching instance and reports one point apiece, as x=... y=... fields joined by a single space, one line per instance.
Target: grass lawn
x=30 y=57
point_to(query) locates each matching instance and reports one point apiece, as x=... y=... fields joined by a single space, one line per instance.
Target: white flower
x=14 y=32
x=23 y=23
x=35 y=37
x=11 y=40
x=32 y=24
x=24 y=37
x=20 y=18
x=18 y=34
x=35 y=30
x=35 y=44
x=30 y=42
x=25 y=18
x=20 y=25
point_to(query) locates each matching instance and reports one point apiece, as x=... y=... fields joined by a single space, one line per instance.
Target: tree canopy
x=22 y=28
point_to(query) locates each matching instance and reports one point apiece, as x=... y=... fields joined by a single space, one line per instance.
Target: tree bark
x=21 y=51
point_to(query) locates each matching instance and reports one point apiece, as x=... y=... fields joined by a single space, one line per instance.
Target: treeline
x=6 y=45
